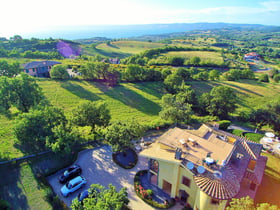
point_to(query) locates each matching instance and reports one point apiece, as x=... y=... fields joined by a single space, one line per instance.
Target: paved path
x=241 y=128
x=98 y=167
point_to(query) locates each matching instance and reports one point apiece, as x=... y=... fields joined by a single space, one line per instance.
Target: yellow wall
x=190 y=190
x=203 y=202
x=169 y=172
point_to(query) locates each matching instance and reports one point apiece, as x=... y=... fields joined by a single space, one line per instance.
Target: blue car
x=73 y=185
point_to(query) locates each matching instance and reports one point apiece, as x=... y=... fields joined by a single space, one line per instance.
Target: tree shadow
x=242 y=88
x=152 y=88
x=10 y=189
x=29 y=148
x=79 y=91
x=131 y=99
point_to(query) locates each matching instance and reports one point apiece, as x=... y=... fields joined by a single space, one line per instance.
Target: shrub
x=59 y=72
x=263 y=78
x=276 y=78
x=4 y=205
x=223 y=124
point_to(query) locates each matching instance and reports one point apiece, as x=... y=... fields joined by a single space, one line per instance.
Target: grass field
x=20 y=188
x=121 y=49
x=250 y=93
x=203 y=55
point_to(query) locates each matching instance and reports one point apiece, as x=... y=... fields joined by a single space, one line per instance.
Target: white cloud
x=19 y=16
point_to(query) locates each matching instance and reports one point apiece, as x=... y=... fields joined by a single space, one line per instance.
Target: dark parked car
x=83 y=195
x=71 y=172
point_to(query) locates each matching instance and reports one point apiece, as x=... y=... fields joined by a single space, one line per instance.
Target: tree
x=33 y=128
x=134 y=73
x=176 y=61
x=184 y=73
x=9 y=70
x=195 y=61
x=276 y=78
x=203 y=75
x=172 y=83
x=214 y=75
x=175 y=109
x=247 y=203
x=165 y=73
x=5 y=93
x=101 y=198
x=59 y=72
x=91 y=114
x=119 y=134
x=63 y=139
x=222 y=102
x=26 y=92
x=264 y=78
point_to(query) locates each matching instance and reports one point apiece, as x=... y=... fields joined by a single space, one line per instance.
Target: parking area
x=98 y=168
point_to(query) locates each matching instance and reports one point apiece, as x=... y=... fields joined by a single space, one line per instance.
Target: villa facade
x=205 y=168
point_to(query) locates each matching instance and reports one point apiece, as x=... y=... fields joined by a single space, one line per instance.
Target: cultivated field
x=203 y=55
x=121 y=49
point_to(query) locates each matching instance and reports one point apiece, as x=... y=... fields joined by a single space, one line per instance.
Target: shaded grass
x=269 y=190
x=256 y=137
x=20 y=188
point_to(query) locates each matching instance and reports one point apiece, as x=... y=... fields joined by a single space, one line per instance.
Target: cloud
x=271 y=5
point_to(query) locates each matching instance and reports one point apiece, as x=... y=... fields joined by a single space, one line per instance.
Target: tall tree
x=91 y=114
x=6 y=99
x=33 y=128
x=120 y=134
x=175 y=108
x=102 y=198
x=26 y=92
x=222 y=102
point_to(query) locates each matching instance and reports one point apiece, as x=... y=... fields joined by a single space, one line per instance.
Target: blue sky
x=20 y=17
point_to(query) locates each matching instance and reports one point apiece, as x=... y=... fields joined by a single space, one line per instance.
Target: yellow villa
x=205 y=168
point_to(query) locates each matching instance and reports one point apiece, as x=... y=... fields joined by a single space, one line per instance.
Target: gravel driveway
x=98 y=168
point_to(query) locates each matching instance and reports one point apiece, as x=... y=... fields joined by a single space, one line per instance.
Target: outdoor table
x=209 y=160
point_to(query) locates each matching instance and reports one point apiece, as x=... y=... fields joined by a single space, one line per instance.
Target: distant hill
x=128 y=31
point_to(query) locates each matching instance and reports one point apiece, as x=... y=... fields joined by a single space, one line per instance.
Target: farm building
x=39 y=68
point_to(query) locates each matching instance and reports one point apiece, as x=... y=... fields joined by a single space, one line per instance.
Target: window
x=252 y=165
x=215 y=201
x=253 y=186
x=154 y=165
x=27 y=71
x=186 y=181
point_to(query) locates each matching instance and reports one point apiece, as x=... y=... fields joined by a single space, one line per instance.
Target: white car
x=73 y=185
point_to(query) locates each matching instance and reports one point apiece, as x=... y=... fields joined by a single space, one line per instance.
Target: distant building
x=112 y=61
x=39 y=68
x=252 y=55
x=205 y=168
